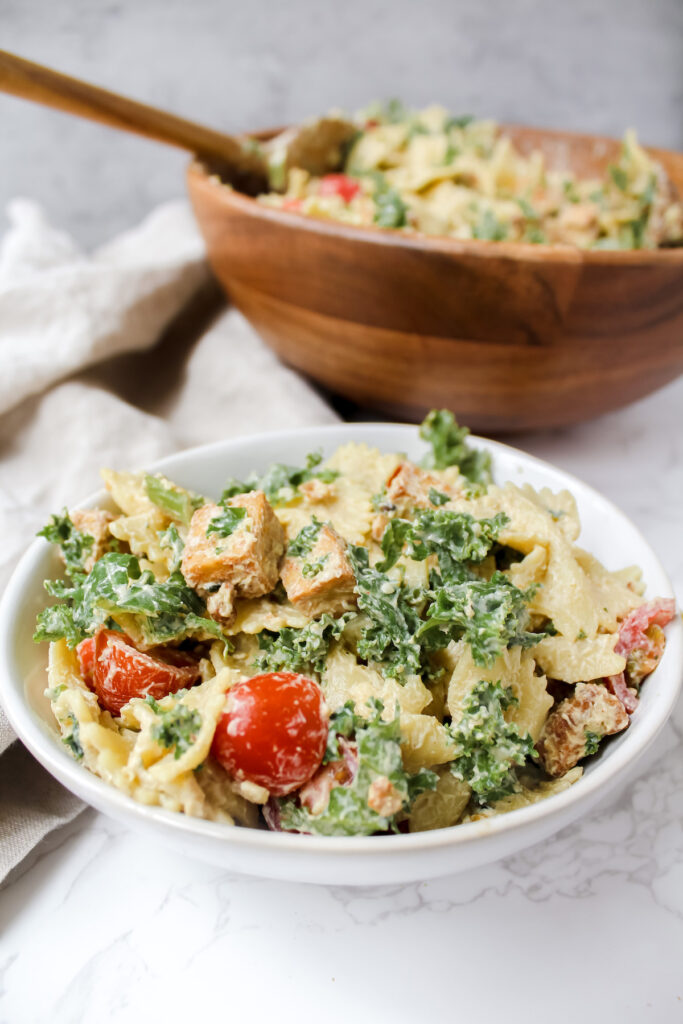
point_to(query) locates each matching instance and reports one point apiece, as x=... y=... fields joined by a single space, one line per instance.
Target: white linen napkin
x=100 y=365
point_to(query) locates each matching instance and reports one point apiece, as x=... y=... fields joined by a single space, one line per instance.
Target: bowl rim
x=197 y=173
x=604 y=775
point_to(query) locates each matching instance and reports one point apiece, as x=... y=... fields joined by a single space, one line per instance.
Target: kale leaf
x=170 y=540
x=175 y=501
x=449 y=447
x=164 y=611
x=390 y=210
x=392 y=608
x=72 y=740
x=305 y=540
x=227 y=520
x=489 y=229
x=280 y=483
x=454 y=537
x=176 y=728
x=299 y=650
x=489 y=615
x=593 y=740
x=348 y=812
x=75 y=545
x=487 y=746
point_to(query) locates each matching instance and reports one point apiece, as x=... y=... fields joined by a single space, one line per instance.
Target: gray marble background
x=598 y=65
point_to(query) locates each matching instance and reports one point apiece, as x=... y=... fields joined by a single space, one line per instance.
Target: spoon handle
x=42 y=85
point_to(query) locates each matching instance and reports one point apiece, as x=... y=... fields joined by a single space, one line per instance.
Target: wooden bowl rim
x=197 y=174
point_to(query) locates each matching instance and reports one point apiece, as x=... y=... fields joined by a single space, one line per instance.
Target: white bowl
x=606 y=532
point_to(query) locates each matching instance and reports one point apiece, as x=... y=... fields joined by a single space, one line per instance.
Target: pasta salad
x=431 y=172
x=356 y=646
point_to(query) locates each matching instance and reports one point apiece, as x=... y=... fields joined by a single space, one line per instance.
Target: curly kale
x=163 y=611
x=227 y=520
x=170 y=540
x=299 y=650
x=175 y=501
x=449 y=448
x=454 y=537
x=348 y=812
x=74 y=544
x=305 y=540
x=488 y=747
x=176 y=729
x=280 y=483
x=489 y=615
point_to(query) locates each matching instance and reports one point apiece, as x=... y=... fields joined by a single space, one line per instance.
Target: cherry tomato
x=85 y=652
x=273 y=731
x=121 y=672
x=291 y=204
x=339 y=185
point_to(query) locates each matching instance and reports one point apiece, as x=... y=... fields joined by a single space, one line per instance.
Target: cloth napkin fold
x=113 y=359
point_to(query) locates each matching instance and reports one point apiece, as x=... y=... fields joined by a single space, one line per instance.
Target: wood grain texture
x=510 y=336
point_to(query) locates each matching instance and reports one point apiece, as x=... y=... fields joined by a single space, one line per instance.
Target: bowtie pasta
x=430 y=172
x=358 y=646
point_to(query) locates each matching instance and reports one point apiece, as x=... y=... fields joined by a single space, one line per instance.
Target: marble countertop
x=102 y=924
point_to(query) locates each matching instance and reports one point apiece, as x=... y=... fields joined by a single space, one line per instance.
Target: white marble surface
x=104 y=925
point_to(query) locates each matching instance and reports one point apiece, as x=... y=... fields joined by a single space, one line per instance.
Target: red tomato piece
x=291 y=204
x=121 y=672
x=273 y=731
x=633 y=630
x=85 y=652
x=339 y=185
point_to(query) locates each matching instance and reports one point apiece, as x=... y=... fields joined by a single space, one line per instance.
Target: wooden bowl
x=510 y=336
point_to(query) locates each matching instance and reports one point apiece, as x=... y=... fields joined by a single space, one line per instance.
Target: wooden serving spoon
x=251 y=166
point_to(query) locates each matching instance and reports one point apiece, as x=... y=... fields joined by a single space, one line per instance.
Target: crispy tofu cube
x=408 y=487
x=95 y=522
x=247 y=559
x=323 y=580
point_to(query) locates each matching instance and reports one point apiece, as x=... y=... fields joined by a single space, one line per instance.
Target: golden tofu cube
x=323 y=580
x=247 y=559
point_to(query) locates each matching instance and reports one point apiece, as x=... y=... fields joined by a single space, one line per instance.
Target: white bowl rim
x=603 y=776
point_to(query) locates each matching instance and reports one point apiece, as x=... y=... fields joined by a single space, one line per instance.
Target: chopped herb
x=451 y=153
x=379 y=758
x=390 y=210
x=581 y=635
x=227 y=520
x=449 y=447
x=170 y=540
x=489 y=229
x=438 y=497
x=171 y=499
x=305 y=540
x=299 y=650
x=75 y=545
x=535 y=236
x=527 y=209
x=488 y=746
x=593 y=740
x=177 y=728
x=618 y=176
x=72 y=740
x=458 y=122
x=310 y=569
x=570 y=191
x=280 y=483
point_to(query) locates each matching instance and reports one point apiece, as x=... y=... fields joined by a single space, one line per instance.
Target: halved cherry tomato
x=273 y=731
x=85 y=652
x=339 y=185
x=291 y=204
x=121 y=672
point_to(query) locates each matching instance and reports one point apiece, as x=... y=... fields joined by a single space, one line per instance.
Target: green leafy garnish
x=176 y=502
x=438 y=497
x=305 y=540
x=458 y=122
x=75 y=545
x=310 y=569
x=489 y=615
x=390 y=210
x=170 y=540
x=618 y=176
x=489 y=229
x=449 y=447
x=379 y=757
x=227 y=520
x=163 y=611
x=72 y=740
x=299 y=650
x=592 y=740
x=177 y=728
x=487 y=746
x=454 y=537
x=280 y=483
